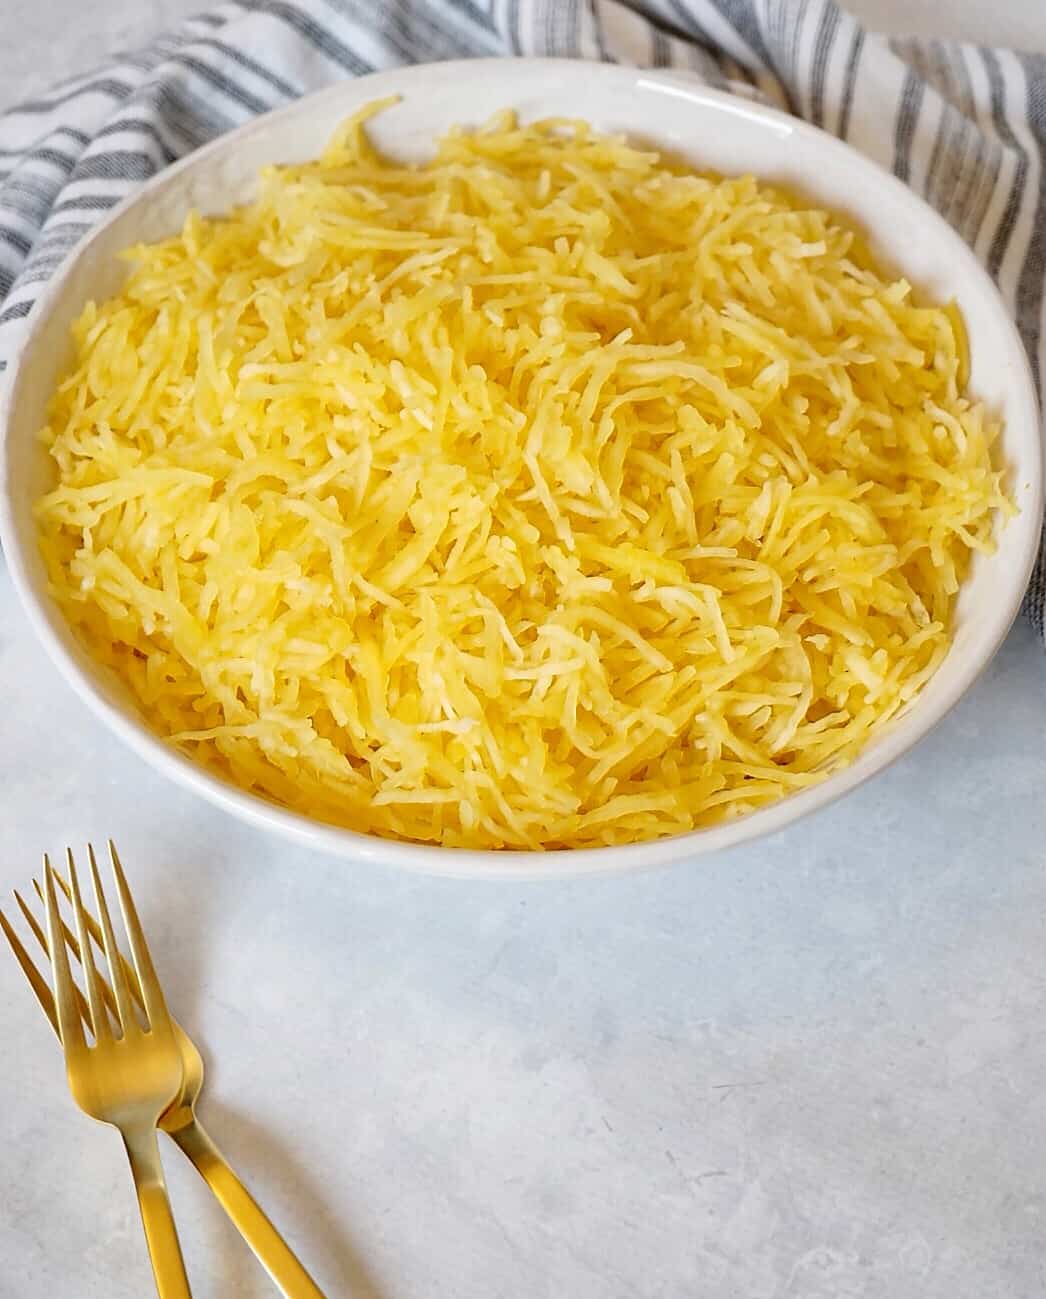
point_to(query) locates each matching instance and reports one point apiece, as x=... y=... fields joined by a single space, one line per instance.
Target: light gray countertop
x=814 y=1068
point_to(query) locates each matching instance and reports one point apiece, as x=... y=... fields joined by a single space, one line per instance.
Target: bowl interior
x=711 y=130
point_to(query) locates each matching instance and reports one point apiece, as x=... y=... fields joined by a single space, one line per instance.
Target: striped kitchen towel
x=964 y=126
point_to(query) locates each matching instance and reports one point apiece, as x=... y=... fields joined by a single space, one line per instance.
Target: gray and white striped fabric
x=963 y=125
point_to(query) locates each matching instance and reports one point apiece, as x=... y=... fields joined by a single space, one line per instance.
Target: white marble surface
x=811 y=1069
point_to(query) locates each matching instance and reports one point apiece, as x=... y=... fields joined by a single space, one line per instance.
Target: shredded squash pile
x=544 y=494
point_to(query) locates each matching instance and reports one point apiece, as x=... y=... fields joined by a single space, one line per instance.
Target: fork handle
x=157 y=1219
x=268 y=1246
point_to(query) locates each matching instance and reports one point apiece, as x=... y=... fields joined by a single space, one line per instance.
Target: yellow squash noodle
x=543 y=494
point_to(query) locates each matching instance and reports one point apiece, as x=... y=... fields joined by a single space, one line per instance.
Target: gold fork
x=126 y=1080
x=179 y=1120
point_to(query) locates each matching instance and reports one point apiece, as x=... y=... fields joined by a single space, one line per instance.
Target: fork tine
x=69 y=1026
x=71 y=940
x=124 y=1009
x=96 y=935
x=100 y=1025
x=41 y=938
x=152 y=993
x=36 y=980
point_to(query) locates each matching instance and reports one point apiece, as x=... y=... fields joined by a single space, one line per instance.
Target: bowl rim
x=494 y=864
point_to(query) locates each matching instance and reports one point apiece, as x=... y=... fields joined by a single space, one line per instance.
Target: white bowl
x=713 y=130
